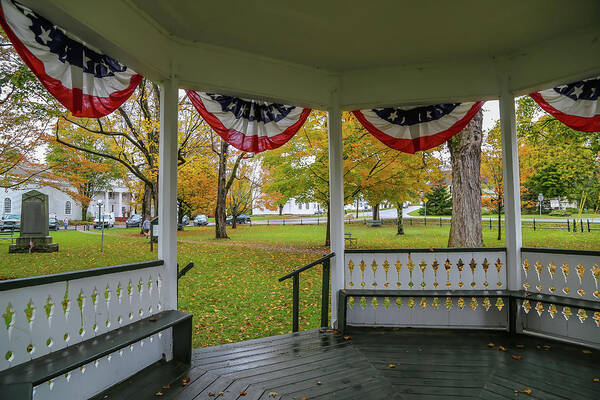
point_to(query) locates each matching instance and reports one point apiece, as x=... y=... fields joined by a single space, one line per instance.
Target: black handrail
x=295 y=274
x=185 y=270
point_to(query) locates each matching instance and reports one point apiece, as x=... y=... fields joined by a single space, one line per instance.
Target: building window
x=7 y=205
x=68 y=208
x=111 y=195
x=299 y=206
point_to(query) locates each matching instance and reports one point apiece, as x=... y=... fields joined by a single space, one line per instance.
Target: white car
x=108 y=220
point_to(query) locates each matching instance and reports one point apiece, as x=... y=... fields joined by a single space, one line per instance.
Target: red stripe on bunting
x=582 y=124
x=78 y=103
x=250 y=144
x=423 y=143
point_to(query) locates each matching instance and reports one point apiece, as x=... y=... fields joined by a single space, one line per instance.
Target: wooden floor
x=375 y=364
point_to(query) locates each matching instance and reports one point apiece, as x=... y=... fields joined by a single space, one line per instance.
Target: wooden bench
x=374 y=222
x=17 y=383
x=351 y=240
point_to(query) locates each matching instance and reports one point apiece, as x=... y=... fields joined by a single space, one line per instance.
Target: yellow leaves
x=518 y=358
x=526 y=391
x=391 y=365
x=491 y=344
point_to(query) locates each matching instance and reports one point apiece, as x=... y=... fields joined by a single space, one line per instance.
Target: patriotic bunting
x=83 y=79
x=417 y=128
x=575 y=105
x=249 y=125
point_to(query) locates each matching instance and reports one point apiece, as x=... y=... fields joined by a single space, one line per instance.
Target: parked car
x=185 y=220
x=108 y=220
x=318 y=212
x=241 y=219
x=53 y=224
x=134 y=221
x=200 y=220
x=11 y=221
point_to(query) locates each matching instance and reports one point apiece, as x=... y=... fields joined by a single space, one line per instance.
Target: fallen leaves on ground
x=243 y=393
x=166 y=386
x=347 y=337
x=520 y=346
x=596 y=380
x=273 y=394
x=526 y=390
x=158 y=393
x=391 y=365
x=587 y=351
x=502 y=348
x=491 y=344
x=517 y=357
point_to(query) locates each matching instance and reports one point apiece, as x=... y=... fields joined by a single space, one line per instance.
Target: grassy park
x=233 y=290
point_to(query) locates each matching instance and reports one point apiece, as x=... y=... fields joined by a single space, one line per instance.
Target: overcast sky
x=491 y=113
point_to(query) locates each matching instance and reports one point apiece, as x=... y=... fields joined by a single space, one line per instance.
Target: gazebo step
x=20 y=379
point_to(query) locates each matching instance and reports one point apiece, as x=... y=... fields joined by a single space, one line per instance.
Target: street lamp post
x=101 y=221
x=540 y=199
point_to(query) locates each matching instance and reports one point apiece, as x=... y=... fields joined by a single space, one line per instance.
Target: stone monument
x=34 y=235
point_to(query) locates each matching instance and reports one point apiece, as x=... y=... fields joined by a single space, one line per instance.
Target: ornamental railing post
x=296 y=303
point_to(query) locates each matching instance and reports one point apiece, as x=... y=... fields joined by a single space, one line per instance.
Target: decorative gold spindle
x=580 y=272
x=552 y=271
x=539 y=268
x=473 y=265
x=526 y=267
x=423 y=303
x=487 y=304
x=423 y=265
x=596 y=318
x=460 y=303
x=435 y=265
x=552 y=310
x=362 y=267
x=351 y=269
x=485 y=266
x=374 y=268
x=526 y=306
x=460 y=266
x=582 y=315
x=596 y=274
x=374 y=303
x=566 y=312
x=448 y=303
x=498 y=268
x=565 y=270
x=435 y=303
x=447 y=266
x=386 y=268
x=411 y=302
x=473 y=303
x=398 y=266
x=499 y=303
x=398 y=302
x=539 y=308
x=411 y=267
x=386 y=302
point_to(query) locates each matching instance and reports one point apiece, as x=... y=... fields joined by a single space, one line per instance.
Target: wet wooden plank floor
x=375 y=364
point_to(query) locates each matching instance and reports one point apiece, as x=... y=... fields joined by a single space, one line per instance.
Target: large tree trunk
x=400 y=221
x=465 y=156
x=220 y=210
x=146 y=206
x=280 y=210
x=376 y=212
x=84 y=210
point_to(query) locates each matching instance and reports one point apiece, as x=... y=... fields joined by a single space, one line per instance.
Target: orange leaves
x=518 y=358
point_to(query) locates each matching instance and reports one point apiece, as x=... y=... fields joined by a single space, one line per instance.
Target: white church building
x=117 y=199
x=291 y=207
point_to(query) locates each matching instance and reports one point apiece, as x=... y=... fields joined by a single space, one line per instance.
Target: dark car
x=53 y=224
x=200 y=220
x=241 y=219
x=134 y=221
x=10 y=222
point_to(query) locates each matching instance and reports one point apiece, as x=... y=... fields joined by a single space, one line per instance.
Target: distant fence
x=569 y=225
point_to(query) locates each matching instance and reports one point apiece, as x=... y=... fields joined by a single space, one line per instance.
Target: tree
x=240 y=195
x=439 y=201
x=85 y=174
x=133 y=137
x=196 y=182
x=465 y=157
x=492 y=174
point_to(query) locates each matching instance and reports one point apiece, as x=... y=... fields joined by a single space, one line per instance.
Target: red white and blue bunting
x=83 y=79
x=575 y=105
x=412 y=129
x=248 y=125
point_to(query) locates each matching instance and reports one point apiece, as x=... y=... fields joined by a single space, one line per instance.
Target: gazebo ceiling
x=377 y=53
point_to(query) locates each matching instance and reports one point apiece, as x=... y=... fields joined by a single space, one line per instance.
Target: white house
x=60 y=204
x=290 y=207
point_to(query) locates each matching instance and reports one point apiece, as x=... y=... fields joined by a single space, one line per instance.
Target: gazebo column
x=512 y=192
x=336 y=199
x=167 y=191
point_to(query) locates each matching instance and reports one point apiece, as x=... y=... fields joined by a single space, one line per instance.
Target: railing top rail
x=430 y=250
x=68 y=276
x=561 y=251
x=297 y=271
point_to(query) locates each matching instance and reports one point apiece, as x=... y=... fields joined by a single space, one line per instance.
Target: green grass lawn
x=233 y=290
x=415 y=213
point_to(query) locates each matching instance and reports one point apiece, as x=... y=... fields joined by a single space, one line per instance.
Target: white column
x=336 y=200
x=106 y=208
x=512 y=193
x=167 y=191
x=120 y=213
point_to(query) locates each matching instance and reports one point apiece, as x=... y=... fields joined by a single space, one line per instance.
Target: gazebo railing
x=42 y=315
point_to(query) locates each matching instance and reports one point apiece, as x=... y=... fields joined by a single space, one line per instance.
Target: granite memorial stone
x=34 y=236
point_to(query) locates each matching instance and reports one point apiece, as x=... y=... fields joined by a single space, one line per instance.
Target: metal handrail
x=295 y=274
x=185 y=270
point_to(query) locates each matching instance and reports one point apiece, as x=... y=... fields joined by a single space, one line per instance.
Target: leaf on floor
x=502 y=348
x=520 y=346
x=587 y=351
x=391 y=365
x=490 y=344
x=517 y=357
x=273 y=394
x=596 y=380
x=158 y=393
x=347 y=337
x=526 y=390
x=243 y=393
x=166 y=386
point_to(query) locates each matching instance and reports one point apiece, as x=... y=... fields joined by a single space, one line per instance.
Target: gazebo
x=116 y=332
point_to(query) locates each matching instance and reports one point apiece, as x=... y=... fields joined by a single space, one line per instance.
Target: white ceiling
x=362 y=53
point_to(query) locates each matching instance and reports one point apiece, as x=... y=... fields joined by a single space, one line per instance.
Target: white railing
x=45 y=314
x=572 y=276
